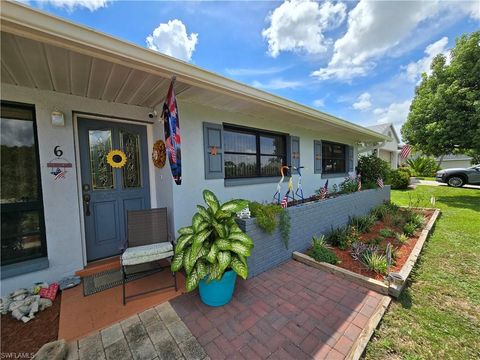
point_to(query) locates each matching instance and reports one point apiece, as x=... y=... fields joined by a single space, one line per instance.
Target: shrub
x=363 y=223
x=349 y=185
x=409 y=229
x=341 y=237
x=375 y=262
x=399 y=179
x=371 y=168
x=423 y=166
x=385 y=233
x=213 y=243
x=321 y=252
x=265 y=215
x=398 y=220
x=269 y=216
x=407 y=169
x=417 y=220
x=381 y=211
x=401 y=238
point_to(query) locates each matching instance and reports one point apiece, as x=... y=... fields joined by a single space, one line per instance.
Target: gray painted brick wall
x=307 y=220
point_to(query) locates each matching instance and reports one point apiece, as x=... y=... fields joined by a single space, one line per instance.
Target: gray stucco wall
x=306 y=220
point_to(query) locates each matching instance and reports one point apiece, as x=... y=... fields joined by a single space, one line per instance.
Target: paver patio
x=290 y=312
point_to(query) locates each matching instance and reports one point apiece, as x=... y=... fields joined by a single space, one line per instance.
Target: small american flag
x=380 y=183
x=405 y=152
x=359 y=183
x=324 y=191
x=284 y=203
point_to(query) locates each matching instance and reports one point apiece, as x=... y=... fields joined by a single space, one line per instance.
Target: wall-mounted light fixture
x=58 y=119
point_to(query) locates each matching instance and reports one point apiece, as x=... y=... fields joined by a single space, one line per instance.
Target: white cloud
x=71 y=5
x=255 y=72
x=299 y=25
x=378 y=28
x=277 y=84
x=395 y=113
x=172 y=39
x=363 y=102
x=319 y=102
x=471 y=8
x=414 y=70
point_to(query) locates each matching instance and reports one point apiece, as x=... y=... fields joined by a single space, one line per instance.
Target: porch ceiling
x=34 y=64
x=45 y=52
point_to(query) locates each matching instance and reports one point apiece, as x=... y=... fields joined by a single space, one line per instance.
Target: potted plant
x=213 y=250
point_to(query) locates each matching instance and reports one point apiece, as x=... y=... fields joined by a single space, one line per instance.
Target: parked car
x=459 y=176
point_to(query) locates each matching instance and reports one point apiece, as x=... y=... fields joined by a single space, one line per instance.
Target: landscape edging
x=393 y=290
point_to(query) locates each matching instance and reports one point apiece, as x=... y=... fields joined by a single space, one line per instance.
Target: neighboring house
x=63 y=206
x=455 y=161
x=387 y=150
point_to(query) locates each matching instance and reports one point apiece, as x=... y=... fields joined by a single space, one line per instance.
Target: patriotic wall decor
x=172 y=133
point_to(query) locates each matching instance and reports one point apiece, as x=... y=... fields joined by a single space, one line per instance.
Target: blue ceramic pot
x=218 y=292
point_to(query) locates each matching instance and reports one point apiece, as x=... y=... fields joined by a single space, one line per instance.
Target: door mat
x=108 y=279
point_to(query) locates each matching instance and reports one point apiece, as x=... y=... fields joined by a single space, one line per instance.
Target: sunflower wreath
x=116 y=158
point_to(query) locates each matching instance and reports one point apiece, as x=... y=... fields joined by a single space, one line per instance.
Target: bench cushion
x=146 y=253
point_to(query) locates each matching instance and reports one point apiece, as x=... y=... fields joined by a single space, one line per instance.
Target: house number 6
x=57 y=151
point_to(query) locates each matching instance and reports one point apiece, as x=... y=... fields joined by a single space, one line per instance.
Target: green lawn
x=438 y=314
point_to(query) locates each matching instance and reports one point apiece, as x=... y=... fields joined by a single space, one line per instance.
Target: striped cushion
x=146 y=253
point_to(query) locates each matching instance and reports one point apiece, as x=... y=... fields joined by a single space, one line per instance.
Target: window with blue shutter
x=213 y=151
x=350 y=158
x=317 y=157
x=294 y=151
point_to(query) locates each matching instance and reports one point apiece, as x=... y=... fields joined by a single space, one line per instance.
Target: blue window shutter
x=350 y=158
x=213 y=151
x=317 y=157
x=294 y=151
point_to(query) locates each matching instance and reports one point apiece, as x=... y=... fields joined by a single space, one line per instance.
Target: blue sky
x=357 y=60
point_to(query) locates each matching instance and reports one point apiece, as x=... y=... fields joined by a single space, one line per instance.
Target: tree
x=444 y=115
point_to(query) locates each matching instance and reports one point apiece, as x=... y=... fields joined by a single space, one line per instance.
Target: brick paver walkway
x=155 y=334
x=290 y=312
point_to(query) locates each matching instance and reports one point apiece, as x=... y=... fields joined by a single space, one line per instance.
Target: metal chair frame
x=145 y=227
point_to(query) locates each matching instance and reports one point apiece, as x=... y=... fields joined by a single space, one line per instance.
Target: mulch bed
x=403 y=250
x=19 y=337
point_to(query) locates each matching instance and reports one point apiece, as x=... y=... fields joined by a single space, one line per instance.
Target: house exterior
x=387 y=150
x=70 y=95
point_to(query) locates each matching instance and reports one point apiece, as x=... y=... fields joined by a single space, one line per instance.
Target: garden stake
x=277 y=194
x=299 y=183
x=290 y=186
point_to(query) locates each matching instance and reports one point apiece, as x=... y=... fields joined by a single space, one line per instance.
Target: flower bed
x=360 y=248
x=306 y=220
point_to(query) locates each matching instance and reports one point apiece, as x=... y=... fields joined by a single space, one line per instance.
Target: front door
x=108 y=192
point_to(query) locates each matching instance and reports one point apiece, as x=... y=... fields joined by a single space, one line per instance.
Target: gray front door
x=107 y=192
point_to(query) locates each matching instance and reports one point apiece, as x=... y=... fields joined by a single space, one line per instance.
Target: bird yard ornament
x=278 y=193
x=299 y=191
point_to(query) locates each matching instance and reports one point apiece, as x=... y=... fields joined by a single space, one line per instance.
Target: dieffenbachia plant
x=213 y=243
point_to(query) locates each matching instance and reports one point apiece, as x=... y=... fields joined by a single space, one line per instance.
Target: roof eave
x=24 y=21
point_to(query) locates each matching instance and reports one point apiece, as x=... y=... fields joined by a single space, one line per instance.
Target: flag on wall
x=171 y=128
x=405 y=152
x=284 y=203
x=324 y=191
x=380 y=183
